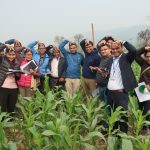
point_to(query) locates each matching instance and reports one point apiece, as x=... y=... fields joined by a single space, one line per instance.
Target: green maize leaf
x=88 y=146
x=12 y=146
x=127 y=144
x=50 y=133
x=112 y=143
x=91 y=135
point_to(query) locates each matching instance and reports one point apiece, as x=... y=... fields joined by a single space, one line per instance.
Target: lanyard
x=114 y=66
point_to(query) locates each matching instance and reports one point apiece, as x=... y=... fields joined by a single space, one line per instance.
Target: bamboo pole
x=93 y=34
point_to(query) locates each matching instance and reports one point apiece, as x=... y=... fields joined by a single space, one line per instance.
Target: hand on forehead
x=116 y=43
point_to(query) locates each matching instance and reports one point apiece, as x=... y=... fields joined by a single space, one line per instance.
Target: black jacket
x=62 y=66
x=145 y=77
x=105 y=64
x=125 y=61
x=5 y=64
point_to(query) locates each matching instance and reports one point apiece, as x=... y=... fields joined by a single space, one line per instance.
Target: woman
x=25 y=81
x=144 y=77
x=8 y=85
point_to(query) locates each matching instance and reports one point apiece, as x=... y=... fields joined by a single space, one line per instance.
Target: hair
x=89 y=43
x=104 y=45
x=72 y=43
x=17 y=43
x=147 y=51
x=41 y=44
x=9 y=49
x=27 y=50
x=107 y=38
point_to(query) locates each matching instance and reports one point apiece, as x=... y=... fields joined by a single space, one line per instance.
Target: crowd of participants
x=106 y=68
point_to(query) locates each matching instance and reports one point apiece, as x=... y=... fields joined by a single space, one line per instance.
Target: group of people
x=107 y=67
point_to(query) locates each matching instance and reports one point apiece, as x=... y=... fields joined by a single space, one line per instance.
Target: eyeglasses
x=42 y=48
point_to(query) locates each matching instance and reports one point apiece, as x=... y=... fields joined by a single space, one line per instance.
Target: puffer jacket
x=25 y=79
x=5 y=64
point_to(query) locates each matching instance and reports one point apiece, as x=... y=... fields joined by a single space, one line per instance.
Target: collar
x=115 y=58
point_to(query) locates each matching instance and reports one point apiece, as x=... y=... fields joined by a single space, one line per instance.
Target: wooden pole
x=93 y=34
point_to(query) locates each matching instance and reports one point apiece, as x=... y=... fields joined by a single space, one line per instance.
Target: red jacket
x=25 y=79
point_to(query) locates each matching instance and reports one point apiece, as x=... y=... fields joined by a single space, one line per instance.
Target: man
x=92 y=59
x=144 y=63
x=42 y=59
x=58 y=68
x=74 y=62
x=103 y=70
x=121 y=78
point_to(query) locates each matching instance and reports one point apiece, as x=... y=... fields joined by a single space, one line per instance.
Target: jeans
x=102 y=94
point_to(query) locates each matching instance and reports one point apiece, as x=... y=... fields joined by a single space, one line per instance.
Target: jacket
x=91 y=59
x=145 y=77
x=74 y=62
x=62 y=66
x=5 y=64
x=43 y=66
x=25 y=79
x=125 y=61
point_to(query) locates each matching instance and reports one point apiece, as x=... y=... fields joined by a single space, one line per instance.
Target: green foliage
x=55 y=121
x=138 y=120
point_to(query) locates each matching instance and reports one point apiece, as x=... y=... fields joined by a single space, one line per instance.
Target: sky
x=42 y=20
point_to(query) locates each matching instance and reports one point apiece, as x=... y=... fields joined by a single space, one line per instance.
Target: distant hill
x=125 y=33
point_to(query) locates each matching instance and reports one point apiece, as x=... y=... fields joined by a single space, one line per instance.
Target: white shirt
x=54 y=67
x=115 y=79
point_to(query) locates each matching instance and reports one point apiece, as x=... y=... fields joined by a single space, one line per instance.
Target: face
x=147 y=57
x=105 y=51
x=116 y=49
x=11 y=56
x=56 y=53
x=18 y=48
x=41 y=49
x=89 y=48
x=28 y=55
x=73 y=48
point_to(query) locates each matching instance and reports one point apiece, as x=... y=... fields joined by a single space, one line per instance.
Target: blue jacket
x=74 y=62
x=91 y=59
x=44 y=66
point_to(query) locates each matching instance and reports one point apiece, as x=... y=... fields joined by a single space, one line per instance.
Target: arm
x=10 y=41
x=97 y=61
x=62 y=47
x=82 y=58
x=131 y=51
x=82 y=44
x=31 y=46
x=35 y=73
x=48 y=48
x=138 y=58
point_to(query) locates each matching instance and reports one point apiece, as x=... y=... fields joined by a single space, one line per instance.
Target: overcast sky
x=28 y=20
